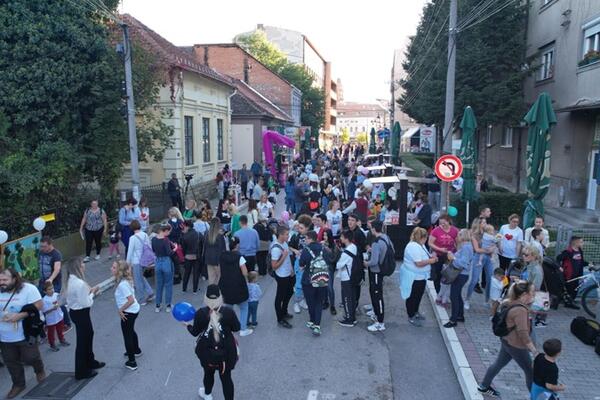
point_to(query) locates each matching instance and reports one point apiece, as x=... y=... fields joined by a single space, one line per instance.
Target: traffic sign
x=448 y=168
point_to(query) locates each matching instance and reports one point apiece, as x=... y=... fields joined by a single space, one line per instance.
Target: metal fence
x=591 y=239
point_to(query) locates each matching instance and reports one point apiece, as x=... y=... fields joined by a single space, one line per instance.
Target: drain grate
x=57 y=386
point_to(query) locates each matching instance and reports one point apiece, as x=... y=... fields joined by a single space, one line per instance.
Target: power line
x=431 y=46
x=496 y=11
x=431 y=21
x=481 y=7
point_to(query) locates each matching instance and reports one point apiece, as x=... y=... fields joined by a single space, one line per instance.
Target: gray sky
x=357 y=37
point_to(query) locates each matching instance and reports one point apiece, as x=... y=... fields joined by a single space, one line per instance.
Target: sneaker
x=132 y=365
x=284 y=324
x=246 y=332
x=540 y=324
x=297 y=308
x=450 y=324
x=143 y=303
x=372 y=315
x=316 y=330
x=310 y=325
x=203 y=394
x=490 y=391
x=467 y=305
x=478 y=289
x=415 y=322
x=572 y=306
x=376 y=327
x=54 y=348
x=168 y=308
x=86 y=259
x=64 y=343
x=40 y=376
x=333 y=310
x=303 y=304
x=366 y=307
x=347 y=323
x=157 y=309
x=15 y=391
x=288 y=316
x=150 y=298
x=97 y=257
x=136 y=354
x=419 y=316
x=325 y=306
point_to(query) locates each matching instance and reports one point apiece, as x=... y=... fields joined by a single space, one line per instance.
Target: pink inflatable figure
x=270 y=138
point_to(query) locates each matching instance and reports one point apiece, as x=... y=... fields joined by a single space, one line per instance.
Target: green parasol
x=540 y=119
x=315 y=135
x=395 y=143
x=307 y=138
x=468 y=156
x=372 y=145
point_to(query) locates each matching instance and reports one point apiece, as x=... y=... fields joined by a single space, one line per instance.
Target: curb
x=464 y=373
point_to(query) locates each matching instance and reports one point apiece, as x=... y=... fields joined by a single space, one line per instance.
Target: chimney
x=246 y=71
x=206 y=56
x=260 y=27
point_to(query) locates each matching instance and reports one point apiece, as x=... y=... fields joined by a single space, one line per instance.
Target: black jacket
x=229 y=324
x=232 y=283
x=192 y=243
x=32 y=324
x=212 y=252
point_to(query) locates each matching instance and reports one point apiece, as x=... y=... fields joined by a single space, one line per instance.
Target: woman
x=223 y=214
x=190 y=209
x=538 y=224
x=175 y=220
x=414 y=273
x=334 y=218
x=517 y=345
x=144 y=215
x=252 y=213
x=192 y=251
x=265 y=236
x=290 y=186
x=265 y=208
x=442 y=240
x=232 y=282
x=512 y=239
x=329 y=242
x=163 y=267
x=80 y=297
x=128 y=311
x=481 y=184
x=235 y=219
x=461 y=260
x=128 y=213
x=482 y=260
x=423 y=212
x=134 y=254
x=215 y=324
x=93 y=226
x=214 y=246
x=227 y=178
x=220 y=185
x=207 y=213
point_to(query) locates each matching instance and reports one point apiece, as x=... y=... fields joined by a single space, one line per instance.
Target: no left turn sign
x=448 y=168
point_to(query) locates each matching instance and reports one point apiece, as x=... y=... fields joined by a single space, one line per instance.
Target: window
x=206 y=139
x=507 y=136
x=189 y=140
x=488 y=135
x=219 y=139
x=591 y=40
x=547 y=63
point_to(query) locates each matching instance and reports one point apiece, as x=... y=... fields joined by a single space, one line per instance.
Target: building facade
x=396 y=90
x=361 y=117
x=563 y=40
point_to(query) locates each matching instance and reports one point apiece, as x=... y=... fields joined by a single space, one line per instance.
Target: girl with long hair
x=128 y=309
x=214 y=246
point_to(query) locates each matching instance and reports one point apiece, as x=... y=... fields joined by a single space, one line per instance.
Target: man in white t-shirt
x=16 y=350
x=512 y=240
x=283 y=272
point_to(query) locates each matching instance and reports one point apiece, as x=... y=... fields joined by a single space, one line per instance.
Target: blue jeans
x=298 y=293
x=164 y=279
x=290 y=206
x=299 y=207
x=479 y=262
x=143 y=290
x=243 y=314
x=330 y=289
x=456 y=297
x=252 y=311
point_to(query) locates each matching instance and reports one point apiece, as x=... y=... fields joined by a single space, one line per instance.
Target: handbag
x=450 y=273
x=541 y=301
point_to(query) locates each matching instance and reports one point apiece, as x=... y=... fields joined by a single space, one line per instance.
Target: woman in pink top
x=442 y=240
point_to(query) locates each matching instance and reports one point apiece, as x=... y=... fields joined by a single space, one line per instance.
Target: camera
x=189 y=177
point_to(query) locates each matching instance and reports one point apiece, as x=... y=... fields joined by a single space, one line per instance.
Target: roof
x=248 y=101
x=349 y=109
x=581 y=104
x=170 y=53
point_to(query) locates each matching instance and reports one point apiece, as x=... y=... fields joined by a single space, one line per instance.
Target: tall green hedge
x=502 y=205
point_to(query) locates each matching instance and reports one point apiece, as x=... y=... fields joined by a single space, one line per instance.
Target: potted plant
x=590 y=57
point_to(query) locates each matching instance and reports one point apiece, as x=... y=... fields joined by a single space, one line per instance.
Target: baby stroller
x=554 y=283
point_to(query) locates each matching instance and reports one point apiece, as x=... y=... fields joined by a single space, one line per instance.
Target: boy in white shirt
x=55 y=323
x=496 y=289
x=344 y=268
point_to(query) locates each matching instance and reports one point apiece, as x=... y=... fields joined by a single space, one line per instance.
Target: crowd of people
x=333 y=228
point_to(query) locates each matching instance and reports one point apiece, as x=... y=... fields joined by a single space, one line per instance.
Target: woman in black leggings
x=216 y=347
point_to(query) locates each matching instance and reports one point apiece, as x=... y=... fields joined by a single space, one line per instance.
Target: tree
x=345 y=136
x=313 y=98
x=60 y=100
x=489 y=65
x=361 y=138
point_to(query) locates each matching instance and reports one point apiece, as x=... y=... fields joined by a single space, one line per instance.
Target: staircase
x=574 y=217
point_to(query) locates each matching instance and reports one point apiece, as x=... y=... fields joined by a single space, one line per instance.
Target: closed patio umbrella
x=468 y=156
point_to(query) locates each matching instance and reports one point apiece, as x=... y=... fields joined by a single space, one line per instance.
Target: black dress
x=232 y=283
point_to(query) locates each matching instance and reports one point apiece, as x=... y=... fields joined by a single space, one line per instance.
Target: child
x=497 y=289
x=114 y=238
x=254 y=294
x=488 y=241
x=54 y=317
x=545 y=372
x=537 y=240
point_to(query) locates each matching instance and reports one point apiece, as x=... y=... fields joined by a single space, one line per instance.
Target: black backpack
x=207 y=347
x=499 y=326
x=586 y=330
x=388 y=266
x=357 y=274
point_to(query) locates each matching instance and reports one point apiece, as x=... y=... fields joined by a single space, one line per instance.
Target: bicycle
x=590 y=296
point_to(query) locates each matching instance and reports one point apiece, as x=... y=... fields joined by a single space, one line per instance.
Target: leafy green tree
x=345 y=136
x=489 y=66
x=61 y=109
x=265 y=51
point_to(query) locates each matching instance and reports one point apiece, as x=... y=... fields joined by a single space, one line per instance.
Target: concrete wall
x=242 y=136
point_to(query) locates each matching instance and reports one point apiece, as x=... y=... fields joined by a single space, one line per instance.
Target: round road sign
x=448 y=168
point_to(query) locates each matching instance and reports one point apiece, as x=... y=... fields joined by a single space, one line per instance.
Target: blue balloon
x=452 y=211
x=183 y=312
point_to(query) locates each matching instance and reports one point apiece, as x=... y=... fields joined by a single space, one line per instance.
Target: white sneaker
x=371 y=314
x=467 y=305
x=203 y=394
x=246 y=332
x=97 y=257
x=367 y=307
x=157 y=309
x=168 y=309
x=297 y=308
x=303 y=304
x=376 y=327
x=86 y=259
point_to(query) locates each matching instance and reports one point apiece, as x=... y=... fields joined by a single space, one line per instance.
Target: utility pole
x=449 y=112
x=133 y=148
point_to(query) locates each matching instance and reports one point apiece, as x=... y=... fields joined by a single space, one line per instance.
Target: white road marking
x=168 y=377
x=313 y=395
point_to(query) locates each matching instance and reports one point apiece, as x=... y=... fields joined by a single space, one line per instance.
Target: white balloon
x=39 y=224
x=3 y=237
x=368 y=184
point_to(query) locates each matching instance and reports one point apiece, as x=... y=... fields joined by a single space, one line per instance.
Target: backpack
x=499 y=326
x=269 y=260
x=586 y=330
x=318 y=270
x=147 y=258
x=388 y=266
x=357 y=274
x=208 y=348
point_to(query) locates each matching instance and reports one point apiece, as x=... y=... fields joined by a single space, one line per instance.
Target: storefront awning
x=582 y=104
x=410 y=133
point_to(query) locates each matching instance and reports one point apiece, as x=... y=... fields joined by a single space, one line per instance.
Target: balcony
x=333 y=95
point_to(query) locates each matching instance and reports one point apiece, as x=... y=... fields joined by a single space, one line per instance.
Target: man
x=434 y=192
x=174 y=190
x=283 y=273
x=50 y=264
x=379 y=248
x=256 y=170
x=297 y=244
x=299 y=195
x=244 y=177
x=257 y=190
x=485 y=212
x=249 y=243
x=360 y=240
x=16 y=349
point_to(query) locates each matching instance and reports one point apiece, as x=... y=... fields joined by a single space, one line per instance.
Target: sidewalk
x=579 y=366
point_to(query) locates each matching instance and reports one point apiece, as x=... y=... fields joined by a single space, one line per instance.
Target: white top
x=78 y=294
x=416 y=252
x=510 y=238
x=252 y=218
x=136 y=245
x=344 y=264
x=286 y=268
x=242 y=261
x=334 y=219
x=13 y=332
x=55 y=316
x=201 y=226
x=496 y=290
x=144 y=217
x=538 y=246
x=125 y=289
x=528 y=237
x=264 y=208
